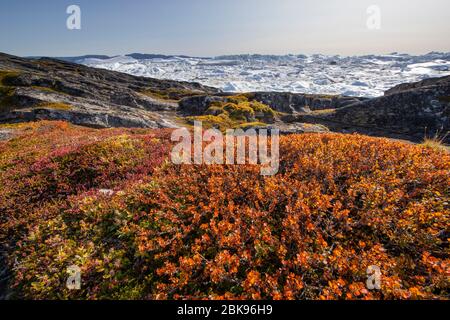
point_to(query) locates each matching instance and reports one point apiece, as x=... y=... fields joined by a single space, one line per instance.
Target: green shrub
x=240 y=112
x=234 y=112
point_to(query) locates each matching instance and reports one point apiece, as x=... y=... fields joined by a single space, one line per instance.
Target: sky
x=218 y=27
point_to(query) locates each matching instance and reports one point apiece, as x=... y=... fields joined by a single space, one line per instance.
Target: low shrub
x=339 y=204
x=235 y=112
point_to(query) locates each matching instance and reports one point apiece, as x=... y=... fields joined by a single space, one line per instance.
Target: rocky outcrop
x=297 y=102
x=414 y=110
x=284 y=102
x=92 y=119
x=431 y=83
x=197 y=105
x=58 y=90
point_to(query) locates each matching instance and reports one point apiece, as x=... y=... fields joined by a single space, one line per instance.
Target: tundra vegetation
x=339 y=204
x=238 y=111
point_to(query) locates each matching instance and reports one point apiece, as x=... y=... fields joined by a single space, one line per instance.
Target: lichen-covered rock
x=198 y=105
x=416 y=109
x=30 y=89
x=296 y=102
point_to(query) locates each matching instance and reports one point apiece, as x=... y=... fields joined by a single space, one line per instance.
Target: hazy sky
x=215 y=27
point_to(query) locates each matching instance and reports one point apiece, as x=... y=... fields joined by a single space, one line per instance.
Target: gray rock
x=416 y=110
x=285 y=102
x=6 y=134
x=57 y=90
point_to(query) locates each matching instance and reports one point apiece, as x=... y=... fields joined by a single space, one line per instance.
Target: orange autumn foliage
x=339 y=204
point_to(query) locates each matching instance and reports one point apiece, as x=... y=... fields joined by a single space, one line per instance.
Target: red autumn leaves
x=339 y=204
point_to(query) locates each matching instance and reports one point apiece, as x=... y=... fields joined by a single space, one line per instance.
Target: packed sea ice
x=365 y=76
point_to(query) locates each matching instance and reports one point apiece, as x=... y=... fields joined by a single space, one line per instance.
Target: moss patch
x=324 y=112
x=54 y=105
x=171 y=94
x=7 y=89
x=47 y=89
x=265 y=111
x=6 y=98
x=250 y=125
x=7 y=77
x=239 y=98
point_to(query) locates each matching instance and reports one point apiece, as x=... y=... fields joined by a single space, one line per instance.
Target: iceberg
x=365 y=76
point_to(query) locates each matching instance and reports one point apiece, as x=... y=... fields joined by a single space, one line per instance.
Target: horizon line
x=232 y=54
